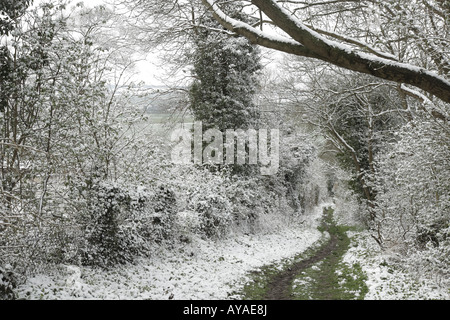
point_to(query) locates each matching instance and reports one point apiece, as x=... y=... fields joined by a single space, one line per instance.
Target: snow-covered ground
x=198 y=270
x=205 y=269
x=386 y=280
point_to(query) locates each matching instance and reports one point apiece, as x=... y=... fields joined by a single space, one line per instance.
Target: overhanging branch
x=306 y=42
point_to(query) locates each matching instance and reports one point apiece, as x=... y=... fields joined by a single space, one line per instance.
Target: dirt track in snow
x=279 y=286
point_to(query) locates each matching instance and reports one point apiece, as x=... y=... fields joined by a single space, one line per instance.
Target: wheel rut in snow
x=279 y=286
x=316 y=274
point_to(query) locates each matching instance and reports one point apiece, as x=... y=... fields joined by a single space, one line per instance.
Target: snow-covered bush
x=103 y=220
x=164 y=208
x=188 y=222
x=413 y=202
x=7 y=284
x=431 y=261
x=214 y=213
x=413 y=198
x=249 y=200
x=114 y=223
x=207 y=196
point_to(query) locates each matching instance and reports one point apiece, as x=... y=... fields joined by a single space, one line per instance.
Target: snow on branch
x=425 y=101
x=305 y=41
x=257 y=36
x=356 y=42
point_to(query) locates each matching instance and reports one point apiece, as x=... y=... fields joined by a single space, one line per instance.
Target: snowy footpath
x=202 y=269
x=206 y=269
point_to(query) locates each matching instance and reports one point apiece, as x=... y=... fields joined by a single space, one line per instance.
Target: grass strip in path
x=317 y=274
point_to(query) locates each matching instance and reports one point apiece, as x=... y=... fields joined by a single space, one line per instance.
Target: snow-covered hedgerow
x=223 y=204
x=198 y=269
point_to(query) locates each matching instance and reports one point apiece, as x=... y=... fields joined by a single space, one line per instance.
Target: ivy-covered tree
x=225 y=71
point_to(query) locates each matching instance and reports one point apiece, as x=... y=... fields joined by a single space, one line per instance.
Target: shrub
x=7 y=284
x=213 y=209
x=164 y=209
x=110 y=226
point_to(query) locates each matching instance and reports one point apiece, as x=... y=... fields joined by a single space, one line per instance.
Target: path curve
x=279 y=286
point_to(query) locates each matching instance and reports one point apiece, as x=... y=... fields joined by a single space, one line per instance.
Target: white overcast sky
x=146 y=71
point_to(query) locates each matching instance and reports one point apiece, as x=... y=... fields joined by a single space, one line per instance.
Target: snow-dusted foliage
x=63 y=132
x=302 y=173
x=7 y=283
x=217 y=204
x=225 y=73
x=413 y=207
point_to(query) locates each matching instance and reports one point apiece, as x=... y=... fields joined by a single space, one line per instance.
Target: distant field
x=160 y=124
x=169 y=118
